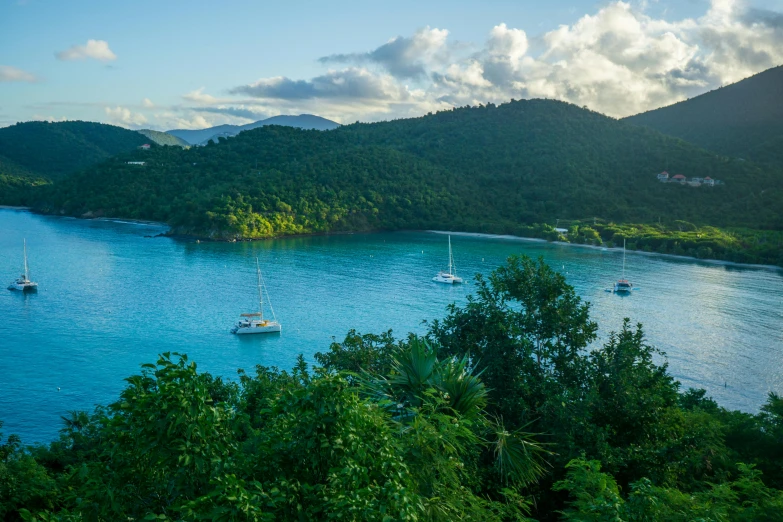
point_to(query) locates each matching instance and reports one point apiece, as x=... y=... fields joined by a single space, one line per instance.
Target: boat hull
x=23 y=288
x=249 y=330
x=447 y=280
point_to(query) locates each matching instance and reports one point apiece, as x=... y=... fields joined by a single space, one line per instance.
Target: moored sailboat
x=623 y=286
x=255 y=323
x=448 y=277
x=23 y=283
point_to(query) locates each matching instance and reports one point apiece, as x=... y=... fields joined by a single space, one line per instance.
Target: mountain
x=203 y=136
x=498 y=169
x=53 y=150
x=163 y=138
x=743 y=120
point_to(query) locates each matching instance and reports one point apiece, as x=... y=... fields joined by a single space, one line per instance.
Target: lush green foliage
x=506 y=410
x=52 y=150
x=17 y=183
x=740 y=245
x=487 y=169
x=744 y=119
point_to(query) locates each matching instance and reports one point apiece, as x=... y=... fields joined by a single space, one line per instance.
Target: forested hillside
x=34 y=153
x=744 y=119
x=491 y=168
x=53 y=150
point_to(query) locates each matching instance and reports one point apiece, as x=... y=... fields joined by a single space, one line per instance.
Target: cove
x=111 y=299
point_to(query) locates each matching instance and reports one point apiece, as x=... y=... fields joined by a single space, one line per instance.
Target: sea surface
x=111 y=298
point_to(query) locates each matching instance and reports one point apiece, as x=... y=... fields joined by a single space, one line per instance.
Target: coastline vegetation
x=738 y=245
x=505 y=410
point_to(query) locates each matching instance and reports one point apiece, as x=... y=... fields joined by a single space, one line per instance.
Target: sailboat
x=23 y=283
x=254 y=323
x=623 y=286
x=449 y=277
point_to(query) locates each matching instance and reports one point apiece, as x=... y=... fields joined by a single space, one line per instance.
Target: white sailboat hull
x=447 y=279
x=24 y=287
x=270 y=327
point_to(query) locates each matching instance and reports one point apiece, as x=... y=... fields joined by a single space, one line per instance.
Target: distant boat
x=254 y=323
x=623 y=286
x=23 y=284
x=450 y=276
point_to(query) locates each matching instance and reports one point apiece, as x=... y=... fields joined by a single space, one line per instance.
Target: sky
x=174 y=64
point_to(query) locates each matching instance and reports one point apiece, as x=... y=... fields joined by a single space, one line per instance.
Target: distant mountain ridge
x=163 y=138
x=203 y=136
x=744 y=119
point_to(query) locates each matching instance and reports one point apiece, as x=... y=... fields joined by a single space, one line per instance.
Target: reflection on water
x=110 y=299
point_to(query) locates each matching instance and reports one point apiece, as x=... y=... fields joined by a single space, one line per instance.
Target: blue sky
x=170 y=64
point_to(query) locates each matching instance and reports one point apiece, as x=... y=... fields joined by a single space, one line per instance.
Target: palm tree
x=419 y=382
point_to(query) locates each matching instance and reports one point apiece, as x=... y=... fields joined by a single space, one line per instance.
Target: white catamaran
x=255 y=323
x=450 y=276
x=623 y=286
x=23 y=283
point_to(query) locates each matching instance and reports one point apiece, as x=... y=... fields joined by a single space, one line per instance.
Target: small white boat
x=23 y=283
x=448 y=277
x=623 y=286
x=255 y=323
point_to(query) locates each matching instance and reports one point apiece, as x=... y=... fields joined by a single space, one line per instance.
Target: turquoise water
x=111 y=299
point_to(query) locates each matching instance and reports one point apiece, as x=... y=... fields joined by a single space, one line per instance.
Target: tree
x=525 y=331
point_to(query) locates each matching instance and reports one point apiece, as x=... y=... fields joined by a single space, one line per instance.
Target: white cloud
x=123 y=117
x=40 y=117
x=12 y=74
x=618 y=61
x=94 y=49
x=198 y=96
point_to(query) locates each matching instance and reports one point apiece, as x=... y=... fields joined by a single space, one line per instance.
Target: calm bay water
x=111 y=299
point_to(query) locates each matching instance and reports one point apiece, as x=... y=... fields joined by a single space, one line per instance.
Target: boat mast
x=451 y=259
x=26 y=278
x=260 y=295
x=623 y=258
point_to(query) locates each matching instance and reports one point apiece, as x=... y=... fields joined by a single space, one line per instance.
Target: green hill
x=53 y=150
x=497 y=169
x=744 y=119
x=163 y=138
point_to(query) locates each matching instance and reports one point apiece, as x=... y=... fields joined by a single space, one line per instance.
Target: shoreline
x=480 y=235
x=722 y=262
